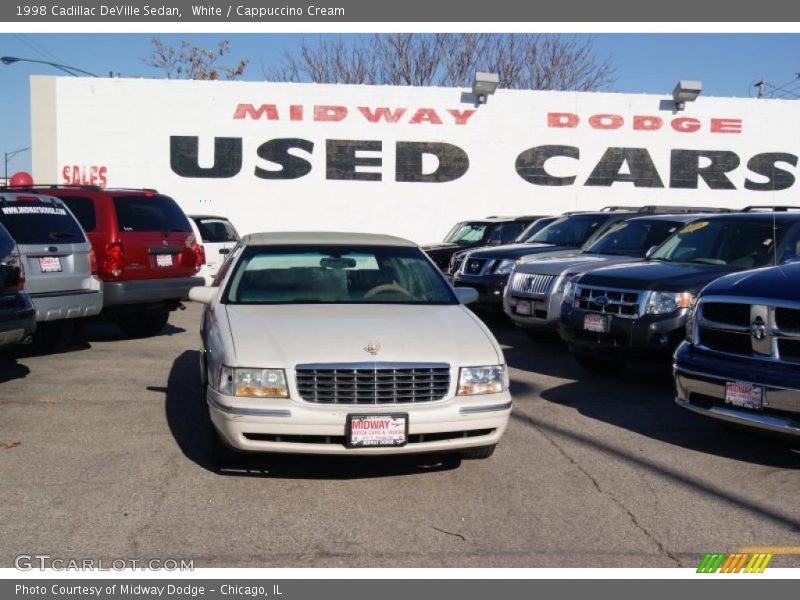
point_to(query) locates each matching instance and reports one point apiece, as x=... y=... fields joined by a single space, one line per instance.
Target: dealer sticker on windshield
x=376 y=431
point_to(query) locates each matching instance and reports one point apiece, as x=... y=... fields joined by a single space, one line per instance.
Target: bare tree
x=193 y=62
x=523 y=61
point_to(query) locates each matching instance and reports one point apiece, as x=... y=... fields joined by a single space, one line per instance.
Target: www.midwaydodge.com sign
x=406 y=160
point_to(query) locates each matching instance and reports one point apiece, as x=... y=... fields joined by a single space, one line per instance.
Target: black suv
x=638 y=311
x=491 y=231
x=17 y=315
x=740 y=362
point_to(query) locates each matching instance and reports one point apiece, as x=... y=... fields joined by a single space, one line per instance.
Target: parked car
x=637 y=311
x=533 y=296
x=217 y=237
x=17 y=315
x=338 y=343
x=147 y=255
x=491 y=231
x=487 y=269
x=60 y=267
x=740 y=362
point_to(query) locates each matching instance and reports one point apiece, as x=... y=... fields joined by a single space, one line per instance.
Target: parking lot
x=104 y=454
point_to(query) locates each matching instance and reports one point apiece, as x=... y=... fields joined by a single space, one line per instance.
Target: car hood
x=573 y=263
x=779 y=283
x=441 y=246
x=514 y=251
x=288 y=335
x=650 y=275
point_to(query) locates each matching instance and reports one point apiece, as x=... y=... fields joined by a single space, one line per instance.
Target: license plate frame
x=524 y=308
x=396 y=431
x=50 y=264
x=164 y=260
x=742 y=394
x=596 y=323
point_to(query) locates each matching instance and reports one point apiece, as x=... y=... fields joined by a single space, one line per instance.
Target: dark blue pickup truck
x=741 y=360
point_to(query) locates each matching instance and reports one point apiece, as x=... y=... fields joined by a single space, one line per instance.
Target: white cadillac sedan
x=347 y=343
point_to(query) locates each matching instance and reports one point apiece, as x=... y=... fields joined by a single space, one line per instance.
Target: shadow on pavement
x=190 y=425
x=11 y=369
x=107 y=331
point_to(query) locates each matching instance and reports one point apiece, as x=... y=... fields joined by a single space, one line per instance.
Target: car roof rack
x=52 y=186
x=777 y=208
x=678 y=210
x=618 y=208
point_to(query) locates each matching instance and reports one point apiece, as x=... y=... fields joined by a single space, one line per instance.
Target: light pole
x=8 y=156
x=9 y=60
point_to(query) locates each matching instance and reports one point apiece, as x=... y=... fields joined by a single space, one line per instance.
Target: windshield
x=336 y=275
x=40 y=223
x=466 y=233
x=571 y=231
x=534 y=228
x=634 y=238
x=725 y=242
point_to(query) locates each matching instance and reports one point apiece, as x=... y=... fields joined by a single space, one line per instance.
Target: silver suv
x=58 y=260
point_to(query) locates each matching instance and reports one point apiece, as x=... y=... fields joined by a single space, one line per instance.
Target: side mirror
x=204 y=294
x=650 y=252
x=466 y=295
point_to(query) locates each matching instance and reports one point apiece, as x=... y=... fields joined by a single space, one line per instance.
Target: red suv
x=147 y=255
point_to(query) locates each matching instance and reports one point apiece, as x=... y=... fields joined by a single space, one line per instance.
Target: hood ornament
x=373 y=348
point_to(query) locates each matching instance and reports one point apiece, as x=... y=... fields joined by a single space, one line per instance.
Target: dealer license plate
x=377 y=431
x=745 y=395
x=163 y=260
x=598 y=323
x=523 y=307
x=50 y=264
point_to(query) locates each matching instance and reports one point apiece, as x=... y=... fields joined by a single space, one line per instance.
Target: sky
x=727 y=64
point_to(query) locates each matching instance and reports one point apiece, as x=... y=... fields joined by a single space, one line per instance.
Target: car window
x=150 y=213
x=791 y=249
x=31 y=222
x=465 y=233
x=215 y=230
x=336 y=275
x=634 y=238
x=233 y=235
x=506 y=232
x=534 y=228
x=572 y=230
x=726 y=242
x=83 y=209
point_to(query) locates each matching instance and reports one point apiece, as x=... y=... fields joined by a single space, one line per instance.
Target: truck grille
x=787 y=318
x=724 y=312
x=725 y=341
x=455 y=265
x=474 y=266
x=373 y=383
x=533 y=284
x=609 y=301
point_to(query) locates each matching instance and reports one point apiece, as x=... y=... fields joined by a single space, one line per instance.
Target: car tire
x=479 y=453
x=143 y=324
x=594 y=364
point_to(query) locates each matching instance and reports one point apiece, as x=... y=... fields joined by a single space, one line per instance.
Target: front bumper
x=649 y=337
x=148 y=291
x=490 y=288
x=545 y=310
x=700 y=387
x=285 y=425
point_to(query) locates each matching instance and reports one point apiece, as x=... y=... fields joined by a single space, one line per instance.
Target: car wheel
x=478 y=453
x=142 y=325
x=599 y=365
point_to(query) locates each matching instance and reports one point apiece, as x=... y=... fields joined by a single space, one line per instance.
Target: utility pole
x=762 y=86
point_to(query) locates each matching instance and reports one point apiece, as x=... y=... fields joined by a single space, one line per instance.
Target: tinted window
x=83 y=209
x=534 y=228
x=6 y=243
x=149 y=213
x=571 y=231
x=40 y=223
x=506 y=232
x=726 y=242
x=634 y=238
x=465 y=233
x=215 y=230
x=791 y=251
x=336 y=275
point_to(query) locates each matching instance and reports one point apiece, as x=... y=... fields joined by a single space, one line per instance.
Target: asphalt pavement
x=104 y=454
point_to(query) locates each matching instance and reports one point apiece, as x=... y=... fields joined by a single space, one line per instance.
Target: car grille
x=533 y=284
x=610 y=301
x=757 y=329
x=474 y=266
x=455 y=265
x=373 y=383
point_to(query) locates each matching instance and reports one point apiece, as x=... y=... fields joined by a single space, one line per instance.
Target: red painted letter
x=570 y=120
x=270 y=111
x=329 y=113
x=646 y=123
x=381 y=112
x=461 y=116
x=425 y=114
x=606 y=121
x=685 y=124
x=726 y=126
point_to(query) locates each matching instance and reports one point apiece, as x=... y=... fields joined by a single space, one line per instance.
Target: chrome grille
x=533 y=284
x=455 y=265
x=373 y=383
x=609 y=301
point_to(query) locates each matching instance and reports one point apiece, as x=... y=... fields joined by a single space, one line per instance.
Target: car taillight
x=112 y=263
x=92 y=262
x=14 y=260
x=200 y=256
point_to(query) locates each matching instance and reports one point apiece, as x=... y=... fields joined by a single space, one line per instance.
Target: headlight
x=254 y=383
x=505 y=267
x=662 y=303
x=563 y=281
x=690 y=320
x=569 y=291
x=482 y=380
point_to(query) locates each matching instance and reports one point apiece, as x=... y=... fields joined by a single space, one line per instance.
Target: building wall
x=402 y=160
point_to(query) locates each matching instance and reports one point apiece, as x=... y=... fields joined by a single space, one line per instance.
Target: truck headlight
x=482 y=380
x=505 y=267
x=690 y=321
x=253 y=383
x=662 y=303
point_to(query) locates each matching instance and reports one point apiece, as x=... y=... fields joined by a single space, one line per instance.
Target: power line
x=37 y=47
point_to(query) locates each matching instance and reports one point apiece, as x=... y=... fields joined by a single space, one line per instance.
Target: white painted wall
x=125 y=125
